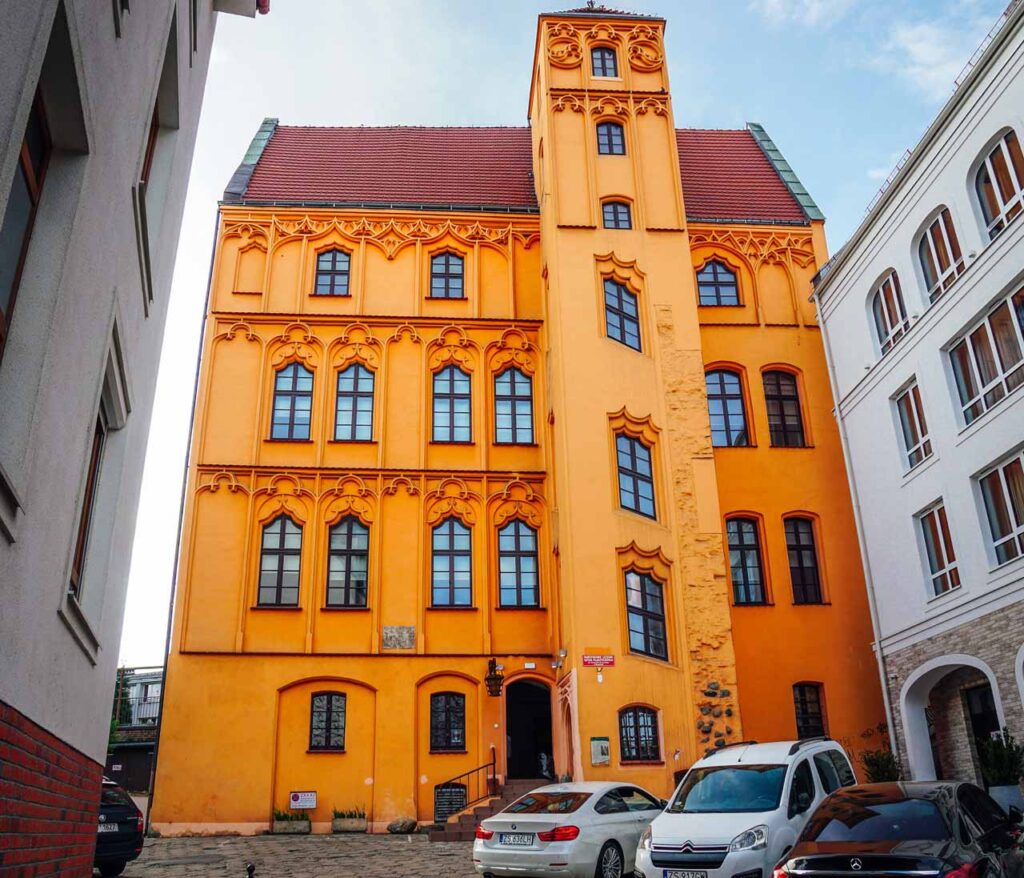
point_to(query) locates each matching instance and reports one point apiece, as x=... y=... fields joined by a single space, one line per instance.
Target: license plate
x=519 y=839
x=684 y=873
x=107 y=827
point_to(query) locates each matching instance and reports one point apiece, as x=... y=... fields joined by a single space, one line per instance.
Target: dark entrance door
x=528 y=726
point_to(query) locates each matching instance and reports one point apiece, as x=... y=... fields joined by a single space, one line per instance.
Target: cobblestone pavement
x=310 y=856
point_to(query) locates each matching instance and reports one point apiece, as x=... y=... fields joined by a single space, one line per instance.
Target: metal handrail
x=482 y=779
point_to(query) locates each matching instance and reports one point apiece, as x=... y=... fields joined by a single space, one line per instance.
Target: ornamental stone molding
x=609 y=106
x=565 y=50
x=297 y=342
x=768 y=247
x=452 y=346
x=567 y=42
x=451 y=497
x=643 y=429
x=513 y=349
x=516 y=500
x=356 y=344
x=643 y=49
x=349 y=496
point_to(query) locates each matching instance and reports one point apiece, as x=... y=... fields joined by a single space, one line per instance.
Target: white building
x=923 y=312
x=99 y=104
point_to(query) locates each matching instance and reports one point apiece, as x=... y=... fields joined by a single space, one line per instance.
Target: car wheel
x=109 y=870
x=609 y=861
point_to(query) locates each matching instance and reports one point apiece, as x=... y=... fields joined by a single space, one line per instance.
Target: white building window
x=988 y=362
x=1000 y=184
x=938 y=544
x=1002 y=489
x=915 y=429
x=890 y=313
x=939 y=251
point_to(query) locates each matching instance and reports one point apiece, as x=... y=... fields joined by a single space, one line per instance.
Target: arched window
x=452 y=404
x=451 y=565
x=293 y=402
x=803 y=561
x=636 y=475
x=332 y=273
x=725 y=408
x=354 y=415
x=327 y=721
x=616 y=215
x=280 y=557
x=938 y=543
x=939 y=252
x=890 y=313
x=716 y=284
x=348 y=559
x=517 y=565
x=638 y=735
x=446 y=276
x=513 y=408
x=621 y=314
x=645 y=614
x=603 y=62
x=447 y=722
x=1000 y=184
x=809 y=708
x=782 y=400
x=745 y=564
x=611 y=140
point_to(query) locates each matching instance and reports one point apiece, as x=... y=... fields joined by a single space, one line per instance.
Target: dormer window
x=603 y=62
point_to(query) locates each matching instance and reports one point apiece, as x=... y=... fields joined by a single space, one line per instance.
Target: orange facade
x=263 y=670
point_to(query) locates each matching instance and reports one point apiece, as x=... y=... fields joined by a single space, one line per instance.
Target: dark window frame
x=622 y=314
x=745 y=592
x=517 y=555
x=638 y=734
x=279 y=553
x=602 y=60
x=450 y=433
x=361 y=374
x=447 y=528
x=633 y=475
x=85 y=516
x=611 y=138
x=329 y=710
x=721 y=279
x=616 y=215
x=445 y=281
x=719 y=399
x=349 y=588
x=648 y=587
x=447 y=722
x=785 y=422
x=811 y=721
x=805 y=576
x=513 y=400
x=335 y=278
x=292 y=394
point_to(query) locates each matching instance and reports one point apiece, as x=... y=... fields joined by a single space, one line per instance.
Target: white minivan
x=738 y=810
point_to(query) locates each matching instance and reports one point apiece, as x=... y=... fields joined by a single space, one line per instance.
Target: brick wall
x=49 y=802
x=958 y=755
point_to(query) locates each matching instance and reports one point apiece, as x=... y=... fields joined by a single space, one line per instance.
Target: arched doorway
x=528 y=730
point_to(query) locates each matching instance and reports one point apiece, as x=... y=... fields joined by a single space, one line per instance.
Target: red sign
x=598 y=661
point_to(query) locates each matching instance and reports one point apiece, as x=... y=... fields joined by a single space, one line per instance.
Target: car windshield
x=548 y=803
x=845 y=819
x=115 y=796
x=730 y=789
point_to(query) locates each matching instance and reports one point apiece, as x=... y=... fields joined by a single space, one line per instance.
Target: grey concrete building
x=99 y=105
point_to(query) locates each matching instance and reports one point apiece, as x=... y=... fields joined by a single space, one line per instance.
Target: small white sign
x=301 y=799
x=115 y=767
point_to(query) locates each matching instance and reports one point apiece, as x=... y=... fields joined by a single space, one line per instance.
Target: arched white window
x=890 y=313
x=1000 y=184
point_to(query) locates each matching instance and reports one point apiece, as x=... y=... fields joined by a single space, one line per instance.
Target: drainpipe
x=869 y=580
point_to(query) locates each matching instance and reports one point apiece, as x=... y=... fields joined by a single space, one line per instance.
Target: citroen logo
x=856 y=864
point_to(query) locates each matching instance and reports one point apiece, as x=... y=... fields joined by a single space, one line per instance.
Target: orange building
x=455 y=504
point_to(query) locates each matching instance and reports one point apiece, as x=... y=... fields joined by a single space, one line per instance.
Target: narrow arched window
x=745 y=564
x=645 y=615
x=332 y=273
x=808 y=704
x=611 y=139
x=1000 y=184
x=327 y=721
x=615 y=215
x=726 y=410
x=280 y=556
x=890 y=313
x=348 y=559
x=782 y=400
x=447 y=271
x=621 y=314
x=939 y=252
x=603 y=61
x=636 y=475
x=451 y=565
x=803 y=561
x=452 y=404
x=716 y=284
x=513 y=408
x=293 y=402
x=354 y=416
x=447 y=722
x=638 y=735
x=517 y=565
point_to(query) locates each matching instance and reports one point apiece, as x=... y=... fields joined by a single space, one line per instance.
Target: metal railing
x=142 y=710
x=463 y=790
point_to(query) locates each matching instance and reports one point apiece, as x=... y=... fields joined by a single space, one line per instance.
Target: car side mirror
x=1014 y=814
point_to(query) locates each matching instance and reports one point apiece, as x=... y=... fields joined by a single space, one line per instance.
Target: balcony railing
x=142 y=710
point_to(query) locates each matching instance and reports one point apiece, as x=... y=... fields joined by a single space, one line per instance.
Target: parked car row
x=782 y=810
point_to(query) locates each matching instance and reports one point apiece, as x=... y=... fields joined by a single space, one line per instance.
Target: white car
x=738 y=810
x=571 y=829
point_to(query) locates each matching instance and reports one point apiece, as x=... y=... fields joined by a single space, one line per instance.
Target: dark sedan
x=920 y=829
x=119 y=831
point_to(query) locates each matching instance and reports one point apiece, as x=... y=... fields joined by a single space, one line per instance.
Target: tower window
x=636 y=475
x=622 y=314
x=616 y=215
x=611 y=140
x=645 y=613
x=603 y=62
x=447 y=271
x=716 y=284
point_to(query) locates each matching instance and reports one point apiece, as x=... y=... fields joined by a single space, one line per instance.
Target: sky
x=843 y=87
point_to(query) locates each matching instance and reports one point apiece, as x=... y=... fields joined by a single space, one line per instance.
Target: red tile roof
x=725 y=174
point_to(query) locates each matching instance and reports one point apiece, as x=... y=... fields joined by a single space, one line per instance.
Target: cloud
x=808 y=13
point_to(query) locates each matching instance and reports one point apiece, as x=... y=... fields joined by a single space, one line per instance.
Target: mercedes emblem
x=856 y=864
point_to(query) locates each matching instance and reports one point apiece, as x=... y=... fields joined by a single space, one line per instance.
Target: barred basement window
x=517 y=565
x=293 y=402
x=745 y=561
x=603 y=62
x=645 y=613
x=452 y=403
x=327 y=721
x=446 y=276
x=717 y=284
x=616 y=215
x=782 y=399
x=636 y=475
x=348 y=558
x=513 y=408
x=622 y=314
x=611 y=140
x=725 y=409
x=354 y=415
x=810 y=718
x=447 y=722
x=279 y=563
x=638 y=735
x=451 y=565
x=332 y=273
x=803 y=561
